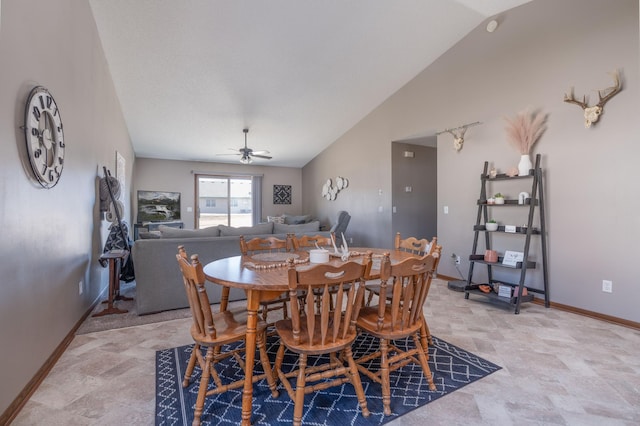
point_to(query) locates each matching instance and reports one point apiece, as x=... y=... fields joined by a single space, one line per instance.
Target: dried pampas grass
x=524 y=130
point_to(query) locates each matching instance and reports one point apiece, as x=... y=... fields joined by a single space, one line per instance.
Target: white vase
x=524 y=165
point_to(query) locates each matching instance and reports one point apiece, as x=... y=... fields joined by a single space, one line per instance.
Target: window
x=228 y=200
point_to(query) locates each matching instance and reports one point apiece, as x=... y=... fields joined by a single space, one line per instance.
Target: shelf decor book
x=511 y=258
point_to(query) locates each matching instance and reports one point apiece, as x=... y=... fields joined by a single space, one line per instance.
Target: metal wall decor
x=281 y=194
x=330 y=191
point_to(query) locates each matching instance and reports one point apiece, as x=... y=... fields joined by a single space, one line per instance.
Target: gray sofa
x=159 y=284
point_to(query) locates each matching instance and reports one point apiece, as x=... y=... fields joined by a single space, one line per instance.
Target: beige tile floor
x=558 y=369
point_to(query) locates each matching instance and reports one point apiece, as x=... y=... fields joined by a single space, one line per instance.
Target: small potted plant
x=499 y=198
x=491 y=225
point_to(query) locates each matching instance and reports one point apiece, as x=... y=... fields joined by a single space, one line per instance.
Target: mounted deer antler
x=591 y=114
x=458 y=138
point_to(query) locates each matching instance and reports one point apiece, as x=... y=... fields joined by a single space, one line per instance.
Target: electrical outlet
x=457 y=260
x=350 y=240
x=80 y=288
x=607 y=286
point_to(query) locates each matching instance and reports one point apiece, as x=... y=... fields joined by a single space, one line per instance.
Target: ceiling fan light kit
x=247 y=154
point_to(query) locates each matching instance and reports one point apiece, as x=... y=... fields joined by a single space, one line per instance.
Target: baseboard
x=572 y=309
x=447 y=278
x=590 y=314
x=14 y=408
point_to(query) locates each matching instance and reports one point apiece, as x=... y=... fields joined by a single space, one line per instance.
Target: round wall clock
x=43 y=133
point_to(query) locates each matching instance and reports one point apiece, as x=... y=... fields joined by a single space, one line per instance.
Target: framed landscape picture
x=158 y=206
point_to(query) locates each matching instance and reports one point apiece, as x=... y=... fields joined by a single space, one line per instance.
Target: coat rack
x=115 y=258
x=107 y=175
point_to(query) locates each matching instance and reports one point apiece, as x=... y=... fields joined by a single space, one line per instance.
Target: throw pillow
x=169 y=232
x=296 y=220
x=282 y=228
x=230 y=231
x=275 y=219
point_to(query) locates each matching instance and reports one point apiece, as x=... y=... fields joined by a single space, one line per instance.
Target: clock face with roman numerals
x=45 y=140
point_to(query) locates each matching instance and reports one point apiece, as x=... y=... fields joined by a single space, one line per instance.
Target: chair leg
x=202 y=390
x=424 y=363
x=425 y=338
x=190 y=366
x=266 y=366
x=277 y=365
x=370 y=298
x=384 y=376
x=356 y=382
x=298 y=404
x=425 y=329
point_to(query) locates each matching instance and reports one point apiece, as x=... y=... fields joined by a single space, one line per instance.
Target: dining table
x=264 y=276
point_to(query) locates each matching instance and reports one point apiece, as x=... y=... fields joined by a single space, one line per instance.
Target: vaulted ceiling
x=191 y=74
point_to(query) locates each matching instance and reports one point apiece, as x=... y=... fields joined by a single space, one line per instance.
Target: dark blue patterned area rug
x=451 y=366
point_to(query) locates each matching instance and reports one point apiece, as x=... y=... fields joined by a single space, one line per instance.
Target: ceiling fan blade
x=266 y=157
x=237 y=153
x=261 y=152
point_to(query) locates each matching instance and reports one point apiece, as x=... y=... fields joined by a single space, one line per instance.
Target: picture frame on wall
x=121 y=171
x=158 y=206
x=281 y=194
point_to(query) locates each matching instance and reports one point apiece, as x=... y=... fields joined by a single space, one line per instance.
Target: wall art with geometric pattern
x=281 y=194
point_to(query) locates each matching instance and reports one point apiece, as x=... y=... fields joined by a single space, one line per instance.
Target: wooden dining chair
x=212 y=331
x=410 y=245
x=311 y=241
x=306 y=242
x=403 y=290
x=413 y=245
x=268 y=245
x=313 y=331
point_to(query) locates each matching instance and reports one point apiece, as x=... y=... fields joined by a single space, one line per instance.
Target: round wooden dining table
x=264 y=276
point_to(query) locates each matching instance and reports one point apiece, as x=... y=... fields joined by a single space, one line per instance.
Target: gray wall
x=51 y=239
x=170 y=175
x=414 y=213
x=539 y=50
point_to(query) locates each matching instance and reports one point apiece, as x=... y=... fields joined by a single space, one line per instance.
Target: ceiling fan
x=247 y=154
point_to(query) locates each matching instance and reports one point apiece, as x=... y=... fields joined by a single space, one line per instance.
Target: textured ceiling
x=191 y=74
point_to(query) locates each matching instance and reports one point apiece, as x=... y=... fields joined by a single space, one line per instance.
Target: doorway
x=414 y=187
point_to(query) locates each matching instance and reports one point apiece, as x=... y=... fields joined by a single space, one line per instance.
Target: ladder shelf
x=537 y=231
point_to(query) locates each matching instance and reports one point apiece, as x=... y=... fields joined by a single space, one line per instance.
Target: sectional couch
x=159 y=284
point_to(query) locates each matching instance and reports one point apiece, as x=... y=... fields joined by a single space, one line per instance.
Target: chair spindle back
x=194 y=279
x=410 y=281
x=414 y=245
x=269 y=244
x=310 y=241
x=326 y=320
